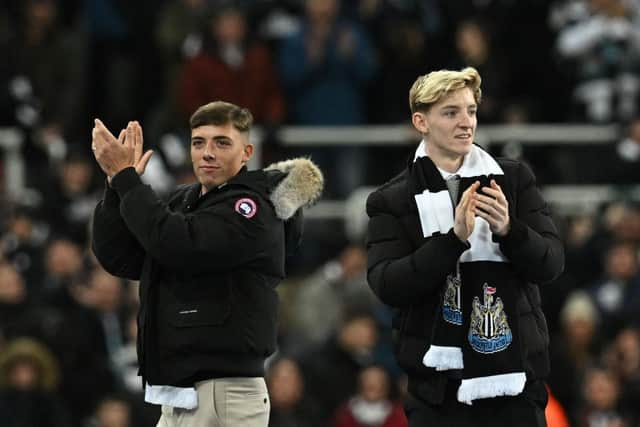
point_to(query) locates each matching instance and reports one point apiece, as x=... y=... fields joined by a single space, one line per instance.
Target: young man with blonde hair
x=458 y=244
x=208 y=261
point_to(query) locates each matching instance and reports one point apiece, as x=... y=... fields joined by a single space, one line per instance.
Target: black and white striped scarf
x=476 y=328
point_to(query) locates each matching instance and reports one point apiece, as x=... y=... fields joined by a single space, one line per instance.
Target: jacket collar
x=289 y=185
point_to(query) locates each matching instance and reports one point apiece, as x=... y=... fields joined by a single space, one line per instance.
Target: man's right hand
x=130 y=137
x=465 y=217
x=134 y=132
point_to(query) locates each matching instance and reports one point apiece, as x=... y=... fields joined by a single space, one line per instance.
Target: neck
x=447 y=161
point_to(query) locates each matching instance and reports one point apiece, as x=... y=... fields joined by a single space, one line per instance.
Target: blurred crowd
x=67 y=328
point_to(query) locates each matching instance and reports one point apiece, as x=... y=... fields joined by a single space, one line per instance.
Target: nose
x=209 y=150
x=466 y=120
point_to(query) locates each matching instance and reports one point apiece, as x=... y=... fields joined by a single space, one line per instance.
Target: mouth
x=209 y=168
x=464 y=136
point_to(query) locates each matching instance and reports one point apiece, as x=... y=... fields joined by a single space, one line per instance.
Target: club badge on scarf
x=477 y=326
x=452 y=301
x=492 y=360
x=489 y=330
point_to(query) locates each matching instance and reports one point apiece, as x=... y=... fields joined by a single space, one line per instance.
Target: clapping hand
x=494 y=208
x=113 y=155
x=465 y=217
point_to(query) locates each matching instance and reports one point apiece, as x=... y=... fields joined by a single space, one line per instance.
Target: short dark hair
x=220 y=113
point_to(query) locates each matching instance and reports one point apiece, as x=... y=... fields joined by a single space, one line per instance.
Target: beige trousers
x=223 y=402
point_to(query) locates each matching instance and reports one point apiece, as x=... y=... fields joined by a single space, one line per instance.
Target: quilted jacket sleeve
x=398 y=274
x=532 y=244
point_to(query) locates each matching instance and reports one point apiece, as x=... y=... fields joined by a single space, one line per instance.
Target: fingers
x=472 y=196
x=467 y=201
x=493 y=222
x=494 y=198
x=138 y=141
x=101 y=136
x=493 y=207
x=131 y=135
x=490 y=205
x=113 y=154
x=142 y=164
x=464 y=219
x=94 y=133
x=498 y=225
x=98 y=124
x=495 y=191
x=464 y=201
x=139 y=136
x=102 y=131
x=135 y=130
x=469 y=193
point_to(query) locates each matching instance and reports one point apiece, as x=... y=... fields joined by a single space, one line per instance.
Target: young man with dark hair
x=208 y=261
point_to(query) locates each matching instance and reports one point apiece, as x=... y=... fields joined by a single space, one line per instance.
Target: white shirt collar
x=421 y=151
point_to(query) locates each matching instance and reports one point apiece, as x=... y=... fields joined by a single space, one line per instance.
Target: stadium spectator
x=29 y=379
x=331 y=370
x=373 y=404
x=617 y=293
x=573 y=349
x=600 y=41
x=290 y=404
x=231 y=66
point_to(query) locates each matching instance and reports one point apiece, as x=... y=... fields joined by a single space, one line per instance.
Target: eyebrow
x=215 y=138
x=457 y=107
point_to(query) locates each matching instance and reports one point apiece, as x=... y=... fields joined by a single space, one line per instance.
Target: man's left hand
x=494 y=208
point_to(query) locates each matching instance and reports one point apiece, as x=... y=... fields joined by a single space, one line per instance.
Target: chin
x=465 y=149
x=207 y=183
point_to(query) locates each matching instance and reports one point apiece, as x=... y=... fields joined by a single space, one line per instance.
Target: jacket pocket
x=198 y=314
x=200 y=304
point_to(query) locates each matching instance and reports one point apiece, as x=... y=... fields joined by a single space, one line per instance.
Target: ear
x=419 y=121
x=247 y=153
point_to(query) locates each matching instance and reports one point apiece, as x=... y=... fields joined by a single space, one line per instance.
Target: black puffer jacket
x=407 y=271
x=208 y=267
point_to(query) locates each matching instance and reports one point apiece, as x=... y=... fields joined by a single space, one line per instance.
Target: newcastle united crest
x=489 y=331
x=451 y=305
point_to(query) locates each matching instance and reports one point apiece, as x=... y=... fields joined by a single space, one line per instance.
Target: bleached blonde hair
x=432 y=87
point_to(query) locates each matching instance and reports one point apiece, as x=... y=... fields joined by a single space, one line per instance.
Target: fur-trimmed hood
x=300 y=185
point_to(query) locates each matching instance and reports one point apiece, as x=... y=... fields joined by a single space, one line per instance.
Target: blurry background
x=327 y=79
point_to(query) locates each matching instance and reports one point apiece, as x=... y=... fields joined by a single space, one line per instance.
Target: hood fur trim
x=300 y=188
